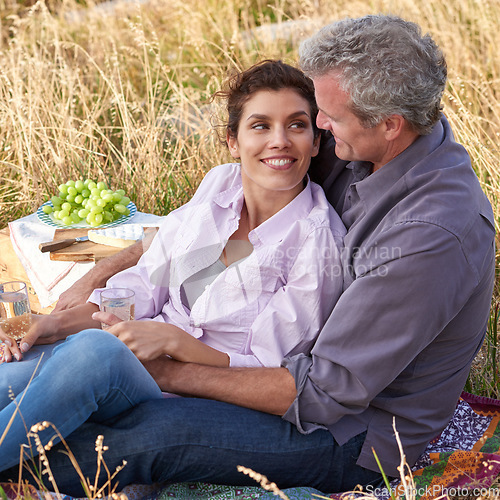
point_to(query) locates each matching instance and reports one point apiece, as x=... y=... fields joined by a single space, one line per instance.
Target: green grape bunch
x=88 y=201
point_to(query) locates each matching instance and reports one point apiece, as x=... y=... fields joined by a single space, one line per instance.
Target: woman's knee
x=86 y=349
x=94 y=347
x=94 y=340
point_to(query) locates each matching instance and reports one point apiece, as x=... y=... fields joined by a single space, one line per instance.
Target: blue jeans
x=91 y=375
x=184 y=439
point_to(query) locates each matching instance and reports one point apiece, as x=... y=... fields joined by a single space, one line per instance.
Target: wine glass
x=118 y=301
x=15 y=312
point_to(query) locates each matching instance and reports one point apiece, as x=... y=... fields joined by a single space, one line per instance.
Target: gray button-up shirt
x=418 y=271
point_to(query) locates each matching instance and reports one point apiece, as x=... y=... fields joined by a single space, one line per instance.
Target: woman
x=242 y=275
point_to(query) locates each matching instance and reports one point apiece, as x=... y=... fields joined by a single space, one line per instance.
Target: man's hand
x=101 y=272
x=161 y=368
x=79 y=292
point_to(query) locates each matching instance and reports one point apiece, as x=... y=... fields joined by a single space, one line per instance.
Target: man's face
x=353 y=141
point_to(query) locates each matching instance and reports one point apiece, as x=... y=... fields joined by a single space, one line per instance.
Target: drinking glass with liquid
x=118 y=301
x=15 y=312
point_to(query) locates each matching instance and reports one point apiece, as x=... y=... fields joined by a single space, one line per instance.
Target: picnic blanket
x=463 y=460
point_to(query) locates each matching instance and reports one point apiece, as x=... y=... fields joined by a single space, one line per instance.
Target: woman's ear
x=232 y=144
x=316 y=144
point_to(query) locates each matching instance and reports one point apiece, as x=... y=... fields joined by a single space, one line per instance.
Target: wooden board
x=84 y=251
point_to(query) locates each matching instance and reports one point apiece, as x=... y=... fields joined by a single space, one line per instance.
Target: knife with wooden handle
x=57 y=245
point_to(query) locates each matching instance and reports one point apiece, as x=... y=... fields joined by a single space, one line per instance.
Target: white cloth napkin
x=51 y=278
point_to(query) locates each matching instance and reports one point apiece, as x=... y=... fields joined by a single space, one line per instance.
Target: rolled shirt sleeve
x=150 y=277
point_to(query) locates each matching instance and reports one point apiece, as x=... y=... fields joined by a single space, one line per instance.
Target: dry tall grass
x=123 y=92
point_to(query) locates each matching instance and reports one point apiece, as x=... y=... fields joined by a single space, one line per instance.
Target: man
x=418 y=276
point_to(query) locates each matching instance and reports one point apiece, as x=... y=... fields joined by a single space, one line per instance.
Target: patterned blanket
x=464 y=460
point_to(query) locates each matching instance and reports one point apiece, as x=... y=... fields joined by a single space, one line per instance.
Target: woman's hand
x=8 y=349
x=146 y=339
x=149 y=340
x=49 y=328
x=40 y=332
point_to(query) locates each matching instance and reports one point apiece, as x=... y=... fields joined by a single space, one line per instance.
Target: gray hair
x=385 y=65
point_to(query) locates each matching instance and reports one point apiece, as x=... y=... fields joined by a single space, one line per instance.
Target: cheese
x=120 y=236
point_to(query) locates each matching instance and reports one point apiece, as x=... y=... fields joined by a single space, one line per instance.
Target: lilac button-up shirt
x=271 y=304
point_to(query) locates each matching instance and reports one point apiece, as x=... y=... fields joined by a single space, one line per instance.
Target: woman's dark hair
x=266 y=75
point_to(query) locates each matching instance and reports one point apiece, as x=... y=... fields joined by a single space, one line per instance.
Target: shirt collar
x=231 y=198
x=273 y=229
x=371 y=187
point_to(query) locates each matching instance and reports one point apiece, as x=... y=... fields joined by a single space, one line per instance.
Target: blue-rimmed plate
x=49 y=219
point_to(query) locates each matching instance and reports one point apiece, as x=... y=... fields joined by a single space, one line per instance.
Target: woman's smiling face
x=275 y=141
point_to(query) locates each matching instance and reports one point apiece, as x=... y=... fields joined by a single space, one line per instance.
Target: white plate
x=49 y=219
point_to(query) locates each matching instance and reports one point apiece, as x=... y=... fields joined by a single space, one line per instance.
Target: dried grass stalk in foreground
x=91 y=488
x=263 y=481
